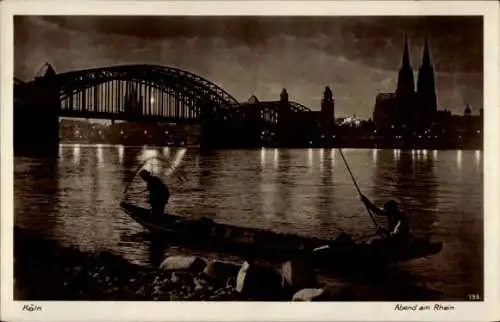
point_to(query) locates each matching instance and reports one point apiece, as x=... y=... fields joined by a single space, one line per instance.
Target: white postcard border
x=177 y=311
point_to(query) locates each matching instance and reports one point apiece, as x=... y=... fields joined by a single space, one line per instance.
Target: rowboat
x=255 y=243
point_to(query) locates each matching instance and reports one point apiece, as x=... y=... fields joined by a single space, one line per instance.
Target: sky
x=358 y=57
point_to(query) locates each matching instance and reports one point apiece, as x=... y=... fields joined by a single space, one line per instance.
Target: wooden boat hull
x=255 y=243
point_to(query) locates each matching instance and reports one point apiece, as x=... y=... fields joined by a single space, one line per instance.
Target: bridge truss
x=141 y=92
x=151 y=93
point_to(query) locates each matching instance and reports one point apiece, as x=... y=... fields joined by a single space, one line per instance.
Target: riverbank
x=43 y=270
x=46 y=271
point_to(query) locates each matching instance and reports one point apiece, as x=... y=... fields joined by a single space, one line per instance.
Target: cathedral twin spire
x=426 y=59
x=406 y=55
x=406 y=85
x=426 y=95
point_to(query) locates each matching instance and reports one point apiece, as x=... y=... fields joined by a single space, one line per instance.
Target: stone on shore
x=201 y=284
x=259 y=283
x=310 y=294
x=183 y=263
x=341 y=291
x=221 y=271
x=298 y=275
x=181 y=277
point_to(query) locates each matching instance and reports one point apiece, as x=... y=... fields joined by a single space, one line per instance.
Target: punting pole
x=135 y=173
x=140 y=167
x=357 y=188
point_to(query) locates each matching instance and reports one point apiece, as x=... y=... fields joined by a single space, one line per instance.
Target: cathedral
x=409 y=107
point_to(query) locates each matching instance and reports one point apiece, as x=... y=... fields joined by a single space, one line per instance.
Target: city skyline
x=261 y=55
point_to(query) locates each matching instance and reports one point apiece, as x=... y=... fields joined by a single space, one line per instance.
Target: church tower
x=328 y=107
x=283 y=119
x=426 y=88
x=405 y=92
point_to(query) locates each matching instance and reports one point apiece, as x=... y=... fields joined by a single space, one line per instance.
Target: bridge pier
x=36 y=121
x=220 y=133
x=208 y=137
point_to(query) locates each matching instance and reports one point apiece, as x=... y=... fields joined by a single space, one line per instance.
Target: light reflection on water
x=310 y=158
x=276 y=158
x=76 y=154
x=100 y=158
x=374 y=155
x=396 y=154
x=166 y=151
x=459 y=159
x=77 y=202
x=321 y=159
x=478 y=157
x=120 y=153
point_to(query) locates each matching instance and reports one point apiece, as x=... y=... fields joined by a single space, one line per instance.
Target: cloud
x=356 y=57
x=375 y=41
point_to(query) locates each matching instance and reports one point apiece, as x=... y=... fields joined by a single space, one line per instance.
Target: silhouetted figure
x=398 y=227
x=158 y=192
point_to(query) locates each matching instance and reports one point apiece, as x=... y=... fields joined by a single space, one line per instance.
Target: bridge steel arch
x=223 y=121
x=195 y=92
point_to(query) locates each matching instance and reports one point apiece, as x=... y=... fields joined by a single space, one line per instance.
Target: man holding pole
x=398 y=226
x=398 y=231
x=158 y=192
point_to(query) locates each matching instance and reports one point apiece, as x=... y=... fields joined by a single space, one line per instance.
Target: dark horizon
x=261 y=55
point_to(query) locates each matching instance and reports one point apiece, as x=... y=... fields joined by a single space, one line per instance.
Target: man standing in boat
x=158 y=192
x=398 y=230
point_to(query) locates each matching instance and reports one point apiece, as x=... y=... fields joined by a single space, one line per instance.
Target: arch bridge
x=145 y=93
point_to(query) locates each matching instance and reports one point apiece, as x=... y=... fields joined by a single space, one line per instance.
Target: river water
x=75 y=199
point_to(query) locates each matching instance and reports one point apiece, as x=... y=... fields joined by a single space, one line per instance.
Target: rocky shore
x=43 y=270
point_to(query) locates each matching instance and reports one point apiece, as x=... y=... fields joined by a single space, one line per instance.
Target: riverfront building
x=295 y=125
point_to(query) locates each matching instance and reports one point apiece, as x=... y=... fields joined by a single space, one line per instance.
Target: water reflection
x=206 y=179
x=411 y=181
x=459 y=159
x=156 y=249
x=396 y=154
x=284 y=185
x=77 y=202
x=166 y=152
x=148 y=154
x=327 y=198
x=310 y=158
x=100 y=158
x=150 y=159
x=37 y=195
x=76 y=154
x=268 y=192
x=176 y=162
x=120 y=153
x=276 y=158
x=321 y=159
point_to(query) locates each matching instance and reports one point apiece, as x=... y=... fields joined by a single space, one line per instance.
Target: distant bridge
x=142 y=93
x=148 y=93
